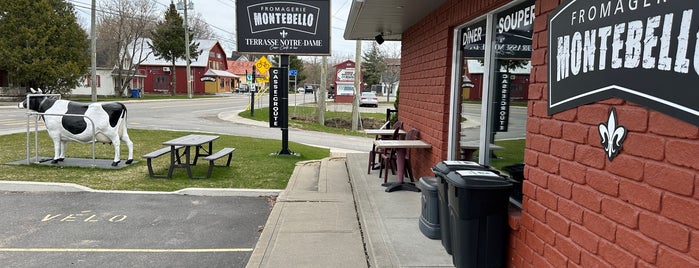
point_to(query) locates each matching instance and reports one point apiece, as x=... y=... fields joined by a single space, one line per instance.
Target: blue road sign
x=293 y=72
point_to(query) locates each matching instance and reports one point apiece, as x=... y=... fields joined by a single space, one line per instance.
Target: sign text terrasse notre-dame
x=643 y=51
x=283 y=27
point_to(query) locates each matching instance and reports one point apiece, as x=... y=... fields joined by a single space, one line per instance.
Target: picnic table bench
x=221 y=153
x=154 y=154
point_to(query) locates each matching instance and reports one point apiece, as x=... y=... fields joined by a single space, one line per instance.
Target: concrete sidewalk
x=333 y=214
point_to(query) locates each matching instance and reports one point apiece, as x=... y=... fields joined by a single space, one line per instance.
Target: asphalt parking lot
x=96 y=229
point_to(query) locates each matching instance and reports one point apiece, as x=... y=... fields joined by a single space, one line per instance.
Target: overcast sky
x=220 y=15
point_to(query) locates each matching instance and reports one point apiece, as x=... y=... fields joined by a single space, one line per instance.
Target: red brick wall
x=425 y=73
x=579 y=209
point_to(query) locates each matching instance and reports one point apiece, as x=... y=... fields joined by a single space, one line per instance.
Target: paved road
x=206 y=115
x=87 y=229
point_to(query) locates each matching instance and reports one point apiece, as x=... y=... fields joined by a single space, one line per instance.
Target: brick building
x=580 y=208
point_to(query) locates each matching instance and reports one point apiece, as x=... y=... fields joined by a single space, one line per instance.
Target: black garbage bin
x=441 y=170
x=429 y=216
x=516 y=172
x=478 y=202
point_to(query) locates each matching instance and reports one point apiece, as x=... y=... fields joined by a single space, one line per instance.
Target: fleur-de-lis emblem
x=283 y=33
x=612 y=136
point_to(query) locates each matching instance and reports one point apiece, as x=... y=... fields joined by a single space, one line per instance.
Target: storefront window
x=491 y=80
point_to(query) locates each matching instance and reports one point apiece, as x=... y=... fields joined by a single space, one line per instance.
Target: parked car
x=242 y=88
x=369 y=99
x=308 y=89
x=300 y=90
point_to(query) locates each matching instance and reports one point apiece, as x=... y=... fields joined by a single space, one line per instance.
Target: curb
x=29 y=186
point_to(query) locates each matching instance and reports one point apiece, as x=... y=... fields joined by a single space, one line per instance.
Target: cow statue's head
x=33 y=103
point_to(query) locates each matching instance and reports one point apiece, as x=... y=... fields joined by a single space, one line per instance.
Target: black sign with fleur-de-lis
x=646 y=52
x=283 y=27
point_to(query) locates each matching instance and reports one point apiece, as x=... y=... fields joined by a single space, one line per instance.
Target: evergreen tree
x=168 y=42
x=42 y=45
x=373 y=64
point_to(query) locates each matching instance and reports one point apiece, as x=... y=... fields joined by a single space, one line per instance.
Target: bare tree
x=200 y=28
x=391 y=72
x=120 y=29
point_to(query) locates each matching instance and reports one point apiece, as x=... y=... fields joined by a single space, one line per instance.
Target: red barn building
x=211 y=65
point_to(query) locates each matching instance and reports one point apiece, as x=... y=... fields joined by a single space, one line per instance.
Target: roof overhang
x=390 y=18
x=219 y=73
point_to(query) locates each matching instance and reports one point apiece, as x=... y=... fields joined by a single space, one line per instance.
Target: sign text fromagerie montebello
x=643 y=51
x=283 y=27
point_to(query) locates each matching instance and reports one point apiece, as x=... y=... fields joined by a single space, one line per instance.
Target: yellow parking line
x=128 y=250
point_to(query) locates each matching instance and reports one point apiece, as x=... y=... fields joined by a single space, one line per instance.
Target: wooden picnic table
x=197 y=141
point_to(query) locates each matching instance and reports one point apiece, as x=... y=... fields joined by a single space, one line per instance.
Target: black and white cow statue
x=109 y=119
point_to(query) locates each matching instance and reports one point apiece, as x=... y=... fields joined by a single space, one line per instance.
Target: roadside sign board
x=278 y=95
x=291 y=27
x=263 y=65
x=647 y=54
x=293 y=72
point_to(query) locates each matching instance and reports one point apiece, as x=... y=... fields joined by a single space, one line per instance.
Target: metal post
x=285 y=105
x=252 y=93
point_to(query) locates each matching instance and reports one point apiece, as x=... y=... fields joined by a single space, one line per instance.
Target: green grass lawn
x=513 y=153
x=251 y=166
x=306 y=118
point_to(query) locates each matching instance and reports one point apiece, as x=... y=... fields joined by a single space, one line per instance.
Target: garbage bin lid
x=477 y=179
x=445 y=167
x=428 y=183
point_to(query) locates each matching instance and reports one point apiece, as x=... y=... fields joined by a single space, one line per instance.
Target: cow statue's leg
x=117 y=151
x=129 y=145
x=62 y=154
x=56 y=148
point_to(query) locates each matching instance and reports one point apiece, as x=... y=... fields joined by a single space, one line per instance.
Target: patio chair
x=388 y=159
x=377 y=152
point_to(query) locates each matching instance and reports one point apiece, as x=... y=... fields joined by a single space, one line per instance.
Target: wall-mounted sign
x=283 y=27
x=513 y=39
x=207 y=79
x=641 y=51
x=278 y=106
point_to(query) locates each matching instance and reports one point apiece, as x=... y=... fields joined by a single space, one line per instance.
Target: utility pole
x=357 y=84
x=93 y=54
x=322 y=92
x=186 y=44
